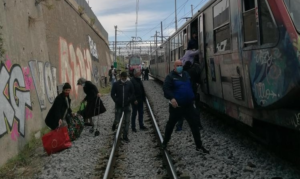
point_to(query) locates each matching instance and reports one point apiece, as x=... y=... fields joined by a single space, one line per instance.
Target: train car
x=250 y=55
x=134 y=62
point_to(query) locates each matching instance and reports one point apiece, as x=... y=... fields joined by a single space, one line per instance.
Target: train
x=134 y=62
x=249 y=58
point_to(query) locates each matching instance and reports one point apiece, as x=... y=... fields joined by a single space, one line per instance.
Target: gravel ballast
x=232 y=154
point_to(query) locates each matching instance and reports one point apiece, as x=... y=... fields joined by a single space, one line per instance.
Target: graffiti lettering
x=263 y=57
x=74 y=65
x=263 y=93
x=93 y=49
x=296 y=122
x=15 y=98
x=222 y=46
x=44 y=78
x=96 y=74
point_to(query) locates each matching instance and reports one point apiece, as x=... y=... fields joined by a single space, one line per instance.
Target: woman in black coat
x=60 y=109
x=92 y=94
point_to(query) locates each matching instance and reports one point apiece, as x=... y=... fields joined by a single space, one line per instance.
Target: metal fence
x=90 y=13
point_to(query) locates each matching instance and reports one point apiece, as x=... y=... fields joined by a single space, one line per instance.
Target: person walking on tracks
x=112 y=75
x=92 y=93
x=146 y=74
x=177 y=88
x=122 y=93
x=139 y=98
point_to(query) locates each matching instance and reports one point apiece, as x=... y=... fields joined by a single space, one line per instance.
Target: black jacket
x=122 y=93
x=139 y=92
x=90 y=90
x=58 y=110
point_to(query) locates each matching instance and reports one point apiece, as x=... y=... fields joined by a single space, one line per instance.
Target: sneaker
x=134 y=130
x=203 y=150
x=125 y=139
x=113 y=127
x=144 y=128
x=178 y=129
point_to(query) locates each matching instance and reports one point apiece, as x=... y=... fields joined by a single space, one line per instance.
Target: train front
x=135 y=62
x=274 y=71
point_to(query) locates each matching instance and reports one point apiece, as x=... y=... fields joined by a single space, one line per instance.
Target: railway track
x=116 y=164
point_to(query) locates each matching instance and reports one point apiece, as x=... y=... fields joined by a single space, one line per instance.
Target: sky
x=122 y=13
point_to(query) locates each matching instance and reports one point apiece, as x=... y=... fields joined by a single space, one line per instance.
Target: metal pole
x=192 y=9
x=175 y=15
x=161 y=32
x=156 y=39
x=115 y=44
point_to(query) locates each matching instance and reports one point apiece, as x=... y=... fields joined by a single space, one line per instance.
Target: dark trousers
x=139 y=108
x=118 y=114
x=196 y=118
x=146 y=77
x=176 y=114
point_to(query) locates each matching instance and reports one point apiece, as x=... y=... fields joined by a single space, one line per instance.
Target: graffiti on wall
x=267 y=69
x=73 y=64
x=44 y=78
x=96 y=74
x=93 y=49
x=15 y=108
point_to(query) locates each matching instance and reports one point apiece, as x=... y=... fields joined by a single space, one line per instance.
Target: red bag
x=56 y=140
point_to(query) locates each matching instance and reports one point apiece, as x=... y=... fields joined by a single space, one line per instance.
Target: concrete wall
x=45 y=44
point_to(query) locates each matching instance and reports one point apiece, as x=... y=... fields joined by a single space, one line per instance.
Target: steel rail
x=111 y=160
x=170 y=166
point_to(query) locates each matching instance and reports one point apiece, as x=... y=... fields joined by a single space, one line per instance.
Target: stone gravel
x=139 y=158
x=82 y=158
x=232 y=154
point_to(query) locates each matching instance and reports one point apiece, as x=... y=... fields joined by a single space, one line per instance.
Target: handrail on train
x=110 y=161
x=171 y=169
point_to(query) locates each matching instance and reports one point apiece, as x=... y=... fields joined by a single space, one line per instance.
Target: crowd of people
x=128 y=94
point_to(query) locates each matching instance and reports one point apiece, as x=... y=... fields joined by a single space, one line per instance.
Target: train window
x=268 y=28
x=180 y=39
x=221 y=13
x=250 y=31
x=222 y=39
x=249 y=4
x=221 y=26
x=162 y=58
x=293 y=8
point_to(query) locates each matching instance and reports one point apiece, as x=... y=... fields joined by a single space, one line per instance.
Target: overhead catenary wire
x=158 y=25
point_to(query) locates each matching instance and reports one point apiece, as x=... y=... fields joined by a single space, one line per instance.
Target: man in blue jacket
x=122 y=93
x=178 y=89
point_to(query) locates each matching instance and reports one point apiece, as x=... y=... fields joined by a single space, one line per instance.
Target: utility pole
x=161 y=32
x=115 y=44
x=119 y=51
x=156 y=39
x=175 y=15
x=192 y=9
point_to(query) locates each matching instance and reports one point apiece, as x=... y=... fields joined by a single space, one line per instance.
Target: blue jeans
x=118 y=115
x=140 y=109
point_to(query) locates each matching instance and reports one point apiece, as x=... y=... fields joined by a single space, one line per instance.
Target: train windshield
x=135 y=61
x=293 y=7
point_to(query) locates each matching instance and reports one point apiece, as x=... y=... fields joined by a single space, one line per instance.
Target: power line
x=165 y=18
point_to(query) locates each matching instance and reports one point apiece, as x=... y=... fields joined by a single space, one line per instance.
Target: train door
x=202 y=55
